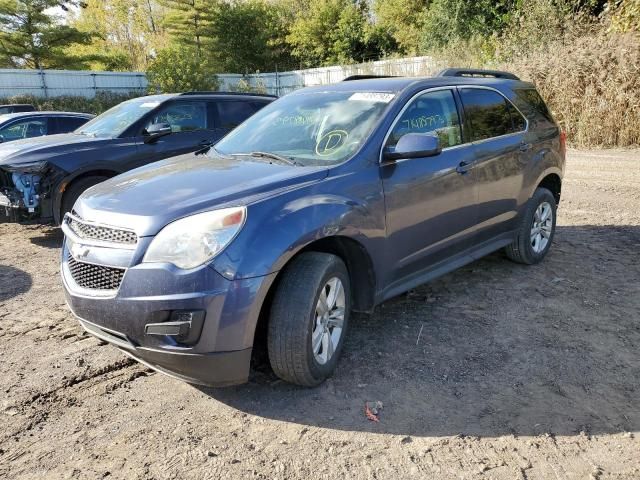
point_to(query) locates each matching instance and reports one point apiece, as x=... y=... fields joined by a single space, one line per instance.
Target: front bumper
x=212 y=369
x=151 y=294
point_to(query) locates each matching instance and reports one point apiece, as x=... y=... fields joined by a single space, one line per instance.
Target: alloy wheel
x=329 y=320
x=542 y=227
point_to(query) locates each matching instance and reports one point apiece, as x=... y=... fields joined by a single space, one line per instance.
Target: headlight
x=27 y=167
x=193 y=241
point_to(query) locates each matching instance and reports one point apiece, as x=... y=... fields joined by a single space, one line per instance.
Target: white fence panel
x=55 y=83
x=280 y=83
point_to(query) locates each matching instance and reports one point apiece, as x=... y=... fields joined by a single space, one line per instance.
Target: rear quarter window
x=531 y=103
x=68 y=124
x=232 y=113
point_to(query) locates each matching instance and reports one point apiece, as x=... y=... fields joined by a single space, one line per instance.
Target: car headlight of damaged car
x=27 y=167
x=192 y=241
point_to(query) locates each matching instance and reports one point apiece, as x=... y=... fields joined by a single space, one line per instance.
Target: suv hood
x=44 y=148
x=150 y=197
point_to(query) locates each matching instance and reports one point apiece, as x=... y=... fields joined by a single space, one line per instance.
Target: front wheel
x=309 y=318
x=536 y=231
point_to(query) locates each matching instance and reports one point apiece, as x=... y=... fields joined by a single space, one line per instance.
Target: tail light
x=563 y=142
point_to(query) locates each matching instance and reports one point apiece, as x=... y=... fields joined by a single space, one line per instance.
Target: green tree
x=126 y=32
x=445 y=21
x=333 y=31
x=180 y=70
x=33 y=37
x=247 y=36
x=402 y=21
x=188 y=22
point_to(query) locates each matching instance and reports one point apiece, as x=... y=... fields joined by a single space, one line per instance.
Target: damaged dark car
x=41 y=178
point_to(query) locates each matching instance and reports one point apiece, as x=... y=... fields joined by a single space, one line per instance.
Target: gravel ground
x=495 y=371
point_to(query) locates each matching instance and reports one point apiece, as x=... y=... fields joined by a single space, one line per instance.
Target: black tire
x=76 y=189
x=293 y=318
x=521 y=250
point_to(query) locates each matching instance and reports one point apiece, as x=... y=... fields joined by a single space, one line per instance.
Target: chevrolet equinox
x=330 y=200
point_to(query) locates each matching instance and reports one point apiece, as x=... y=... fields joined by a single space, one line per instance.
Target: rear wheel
x=309 y=318
x=537 y=229
x=76 y=189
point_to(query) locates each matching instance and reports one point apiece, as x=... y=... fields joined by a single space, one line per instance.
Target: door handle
x=524 y=147
x=463 y=167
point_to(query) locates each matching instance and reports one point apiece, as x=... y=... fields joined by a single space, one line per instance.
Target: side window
x=488 y=113
x=258 y=105
x=68 y=124
x=432 y=112
x=24 y=129
x=232 y=113
x=182 y=116
x=530 y=99
x=518 y=121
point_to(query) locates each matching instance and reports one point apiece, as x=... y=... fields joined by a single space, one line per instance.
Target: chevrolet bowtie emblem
x=79 y=251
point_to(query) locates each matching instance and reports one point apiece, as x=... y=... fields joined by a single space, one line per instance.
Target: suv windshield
x=319 y=128
x=117 y=119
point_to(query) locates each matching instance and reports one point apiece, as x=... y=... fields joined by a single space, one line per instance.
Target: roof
x=163 y=97
x=12 y=116
x=229 y=94
x=398 y=84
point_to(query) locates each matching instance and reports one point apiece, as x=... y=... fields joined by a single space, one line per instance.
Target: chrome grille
x=97 y=277
x=104 y=234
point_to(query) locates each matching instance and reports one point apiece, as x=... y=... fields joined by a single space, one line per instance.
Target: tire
x=76 y=189
x=525 y=248
x=294 y=318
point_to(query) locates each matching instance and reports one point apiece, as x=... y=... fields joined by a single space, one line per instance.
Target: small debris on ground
x=372 y=410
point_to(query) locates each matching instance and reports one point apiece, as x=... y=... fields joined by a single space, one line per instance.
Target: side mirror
x=414 y=145
x=156 y=131
x=1 y=139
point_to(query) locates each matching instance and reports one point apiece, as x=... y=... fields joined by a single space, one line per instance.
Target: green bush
x=180 y=70
x=243 y=86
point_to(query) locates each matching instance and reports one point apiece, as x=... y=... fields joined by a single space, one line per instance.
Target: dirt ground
x=495 y=371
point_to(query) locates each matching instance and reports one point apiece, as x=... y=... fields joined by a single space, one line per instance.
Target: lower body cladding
x=193 y=325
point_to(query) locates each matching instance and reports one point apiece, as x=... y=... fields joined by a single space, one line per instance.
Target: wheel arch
x=553 y=183
x=68 y=181
x=361 y=273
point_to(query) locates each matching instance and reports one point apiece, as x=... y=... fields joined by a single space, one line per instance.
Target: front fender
x=60 y=185
x=279 y=227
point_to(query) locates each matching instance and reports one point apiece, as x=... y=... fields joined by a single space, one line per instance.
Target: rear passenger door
x=497 y=131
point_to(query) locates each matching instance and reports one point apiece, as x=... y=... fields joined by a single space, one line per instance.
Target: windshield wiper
x=272 y=156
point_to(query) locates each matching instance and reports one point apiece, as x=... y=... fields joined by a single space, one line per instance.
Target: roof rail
x=251 y=94
x=365 y=77
x=476 y=72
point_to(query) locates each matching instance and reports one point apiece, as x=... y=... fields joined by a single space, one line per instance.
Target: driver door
x=431 y=203
x=189 y=126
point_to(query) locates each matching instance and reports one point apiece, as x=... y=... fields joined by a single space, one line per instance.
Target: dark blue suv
x=41 y=178
x=329 y=200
